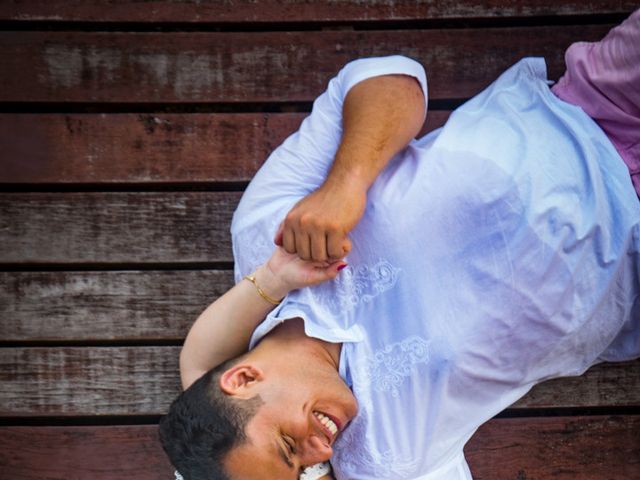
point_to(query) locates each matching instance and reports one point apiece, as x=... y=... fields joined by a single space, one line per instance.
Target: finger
x=303 y=246
x=318 y=247
x=278 y=238
x=324 y=264
x=320 y=275
x=289 y=240
x=335 y=268
x=346 y=246
x=335 y=246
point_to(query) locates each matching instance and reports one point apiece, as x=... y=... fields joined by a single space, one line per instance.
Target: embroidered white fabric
x=387 y=368
x=358 y=284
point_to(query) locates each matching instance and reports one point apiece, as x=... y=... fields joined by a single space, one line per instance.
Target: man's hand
x=380 y=116
x=317 y=227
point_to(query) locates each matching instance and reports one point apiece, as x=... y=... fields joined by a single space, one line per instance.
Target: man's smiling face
x=304 y=409
x=280 y=448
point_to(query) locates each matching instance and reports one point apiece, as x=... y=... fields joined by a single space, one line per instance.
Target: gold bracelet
x=252 y=279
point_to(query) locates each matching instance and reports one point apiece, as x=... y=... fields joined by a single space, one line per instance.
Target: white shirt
x=494 y=253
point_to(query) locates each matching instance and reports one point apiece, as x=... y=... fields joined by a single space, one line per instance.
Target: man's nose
x=315 y=450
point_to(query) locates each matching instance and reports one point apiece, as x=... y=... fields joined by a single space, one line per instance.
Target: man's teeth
x=327 y=422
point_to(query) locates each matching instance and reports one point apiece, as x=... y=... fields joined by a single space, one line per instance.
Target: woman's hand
x=284 y=272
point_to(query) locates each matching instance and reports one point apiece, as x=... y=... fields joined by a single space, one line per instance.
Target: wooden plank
x=122 y=305
x=65 y=381
x=129 y=148
x=604 y=384
x=213 y=67
x=68 y=381
x=81 y=453
x=562 y=448
x=296 y=11
x=116 y=227
x=139 y=148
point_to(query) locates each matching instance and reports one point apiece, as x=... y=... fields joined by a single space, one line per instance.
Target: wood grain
x=88 y=380
x=112 y=305
x=130 y=148
x=607 y=384
x=81 y=453
x=175 y=67
x=68 y=381
x=295 y=11
x=118 y=148
x=562 y=448
x=116 y=227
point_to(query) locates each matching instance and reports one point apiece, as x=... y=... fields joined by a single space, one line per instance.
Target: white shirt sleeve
x=358 y=70
x=301 y=164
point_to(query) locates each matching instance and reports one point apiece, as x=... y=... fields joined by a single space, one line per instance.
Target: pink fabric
x=603 y=78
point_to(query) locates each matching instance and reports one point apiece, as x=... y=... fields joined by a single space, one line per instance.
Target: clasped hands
x=314 y=235
x=317 y=227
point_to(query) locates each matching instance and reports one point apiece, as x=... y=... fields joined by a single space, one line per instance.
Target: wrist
x=356 y=166
x=270 y=283
x=350 y=182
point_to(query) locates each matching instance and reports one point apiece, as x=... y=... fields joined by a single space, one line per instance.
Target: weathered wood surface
x=296 y=11
x=260 y=66
x=116 y=227
x=68 y=381
x=88 y=380
x=110 y=305
x=130 y=148
x=82 y=453
x=86 y=148
x=563 y=448
x=606 y=384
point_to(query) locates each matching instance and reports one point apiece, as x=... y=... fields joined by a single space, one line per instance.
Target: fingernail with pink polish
x=342 y=266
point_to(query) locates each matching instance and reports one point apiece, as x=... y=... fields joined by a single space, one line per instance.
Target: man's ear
x=240 y=379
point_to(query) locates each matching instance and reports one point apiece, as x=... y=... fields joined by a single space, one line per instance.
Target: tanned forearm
x=380 y=117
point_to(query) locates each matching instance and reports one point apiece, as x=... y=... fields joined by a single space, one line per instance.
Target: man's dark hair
x=203 y=424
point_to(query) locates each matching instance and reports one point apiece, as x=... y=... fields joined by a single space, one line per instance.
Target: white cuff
x=364 y=68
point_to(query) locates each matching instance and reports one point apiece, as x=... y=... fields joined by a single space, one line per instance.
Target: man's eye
x=290 y=444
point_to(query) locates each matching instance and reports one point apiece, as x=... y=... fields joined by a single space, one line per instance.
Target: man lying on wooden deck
x=490 y=255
